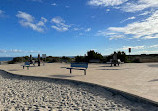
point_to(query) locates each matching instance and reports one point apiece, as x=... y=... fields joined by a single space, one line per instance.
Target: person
x=38 y=59
x=115 y=58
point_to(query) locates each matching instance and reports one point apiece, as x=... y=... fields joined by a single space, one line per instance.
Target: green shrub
x=136 y=60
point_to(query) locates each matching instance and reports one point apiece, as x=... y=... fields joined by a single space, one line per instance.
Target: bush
x=19 y=59
x=136 y=60
x=66 y=59
x=80 y=59
x=94 y=55
x=51 y=59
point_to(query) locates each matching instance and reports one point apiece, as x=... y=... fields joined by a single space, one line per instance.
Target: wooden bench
x=26 y=64
x=78 y=66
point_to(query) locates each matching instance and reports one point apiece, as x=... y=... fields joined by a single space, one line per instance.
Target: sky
x=73 y=27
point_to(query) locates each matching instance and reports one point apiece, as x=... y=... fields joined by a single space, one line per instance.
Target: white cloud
x=132 y=47
x=28 y=20
x=139 y=5
x=126 y=5
x=59 y=24
x=1 y=12
x=141 y=49
x=130 y=18
x=107 y=10
x=44 y=19
x=88 y=29
x=17 y=51
x=146 y=29
x=145 y=13
x=25 y=16
x=80 y=33
x=147 y=52
x=106 y=2
x=53 y=4
x=36 y=0
x=117 y=37
x=67 y=6
x=77 y=29
x=3 y=51
x=154 y=46
x=42 y=22
x=110 y=35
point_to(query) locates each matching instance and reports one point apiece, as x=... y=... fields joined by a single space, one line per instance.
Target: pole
x=129 y=53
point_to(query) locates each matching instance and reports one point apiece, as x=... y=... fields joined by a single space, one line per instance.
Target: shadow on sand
x=64 y=76
x=15 y=69
x=105 y=66
x=154 y=80
x=108 y=69
x=63 y=67
x=153 y=65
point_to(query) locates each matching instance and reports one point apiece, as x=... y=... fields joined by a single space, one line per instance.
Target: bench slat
x=83 y=65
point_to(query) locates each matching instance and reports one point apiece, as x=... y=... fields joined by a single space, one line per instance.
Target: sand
x=140 y=79
x=18 y=93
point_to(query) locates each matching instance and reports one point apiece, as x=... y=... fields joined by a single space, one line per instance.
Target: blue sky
x=73 y=27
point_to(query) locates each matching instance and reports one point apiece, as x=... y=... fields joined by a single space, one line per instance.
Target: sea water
x=6 y=58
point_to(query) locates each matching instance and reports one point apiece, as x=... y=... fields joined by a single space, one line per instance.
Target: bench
x=26 y=64
x=78 y=66
x=118 y=62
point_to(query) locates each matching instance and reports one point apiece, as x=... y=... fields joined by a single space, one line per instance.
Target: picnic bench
x=78 y=66
x=26 y=64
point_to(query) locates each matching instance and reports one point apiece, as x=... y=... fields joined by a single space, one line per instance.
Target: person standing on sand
x=115 y=58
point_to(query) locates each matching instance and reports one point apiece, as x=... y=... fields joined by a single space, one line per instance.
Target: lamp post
x=129 y=50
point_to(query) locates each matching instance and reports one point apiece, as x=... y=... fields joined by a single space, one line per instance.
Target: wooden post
x=70 y=71
x=84 y=72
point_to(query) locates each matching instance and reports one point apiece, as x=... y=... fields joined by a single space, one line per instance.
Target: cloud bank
x=146 y=29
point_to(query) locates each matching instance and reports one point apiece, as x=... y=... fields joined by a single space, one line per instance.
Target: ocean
x=11 y=58
x=6 y=58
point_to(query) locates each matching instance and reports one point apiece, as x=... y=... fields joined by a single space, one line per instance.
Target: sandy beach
x=38 y=94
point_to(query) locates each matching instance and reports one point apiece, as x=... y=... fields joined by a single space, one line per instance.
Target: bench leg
x=23 y=67
x=84 y=72
x=27 y=68
x=70 y=71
